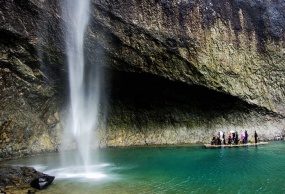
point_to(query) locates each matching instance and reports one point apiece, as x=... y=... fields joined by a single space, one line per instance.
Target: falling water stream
x=84 y=80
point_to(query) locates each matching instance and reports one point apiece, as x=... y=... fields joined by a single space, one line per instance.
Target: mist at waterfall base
x=85 y=83
x=171 y=169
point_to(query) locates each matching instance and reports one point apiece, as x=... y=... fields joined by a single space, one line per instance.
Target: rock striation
x=235 y=47
x=176 y=71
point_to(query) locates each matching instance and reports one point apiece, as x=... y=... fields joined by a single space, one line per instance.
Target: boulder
x=23 y=177
x=42 y=182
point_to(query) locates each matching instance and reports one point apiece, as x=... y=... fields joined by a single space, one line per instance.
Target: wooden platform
x=239 y=145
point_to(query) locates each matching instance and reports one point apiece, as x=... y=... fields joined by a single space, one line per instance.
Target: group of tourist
x=233 y=138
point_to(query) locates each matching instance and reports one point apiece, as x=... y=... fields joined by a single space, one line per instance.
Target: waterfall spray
x=84 y=80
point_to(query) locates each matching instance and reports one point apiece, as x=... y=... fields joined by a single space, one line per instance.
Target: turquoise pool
x=181 y=169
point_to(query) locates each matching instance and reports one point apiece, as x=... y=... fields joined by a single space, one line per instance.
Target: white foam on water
x=71 y=172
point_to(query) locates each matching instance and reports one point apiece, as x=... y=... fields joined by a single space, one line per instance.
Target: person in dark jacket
x=236 y=138
x=255 y=136
x=214 y=140
x=219 y=140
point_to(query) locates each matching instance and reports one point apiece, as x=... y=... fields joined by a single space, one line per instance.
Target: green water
x=191 y=169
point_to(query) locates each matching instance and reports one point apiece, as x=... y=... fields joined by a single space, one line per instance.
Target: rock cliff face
x=29 y=79
x=235 y=47
x=177 y=70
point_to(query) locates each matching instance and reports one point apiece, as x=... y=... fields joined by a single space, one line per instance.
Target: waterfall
x=84 y=80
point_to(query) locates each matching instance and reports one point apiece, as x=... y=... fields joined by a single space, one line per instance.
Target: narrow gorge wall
x=176 y=71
